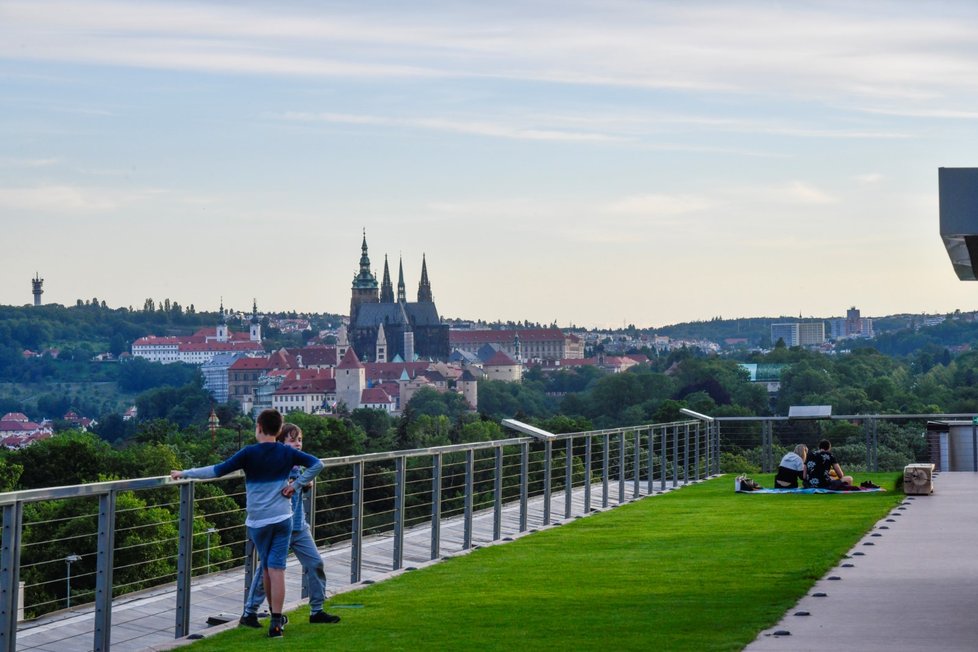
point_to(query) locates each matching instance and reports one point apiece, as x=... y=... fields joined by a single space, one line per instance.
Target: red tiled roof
x=505 y=336
x=500 y=359
x=246 y=345
x=18 y=426
x=392 y=370
x=307 y=386
x=248 y=364
x=15 y=416
x=375 y=395
x=350 y=360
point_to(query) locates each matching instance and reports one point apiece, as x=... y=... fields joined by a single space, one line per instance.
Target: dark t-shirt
x=819 y=463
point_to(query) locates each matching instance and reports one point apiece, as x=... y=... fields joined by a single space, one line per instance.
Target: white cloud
x=870 y=178
x=471 y=127
x=661 y=205
x=65 y=199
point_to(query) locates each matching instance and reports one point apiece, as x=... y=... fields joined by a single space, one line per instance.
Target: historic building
x=203 y=345
x=385 y=327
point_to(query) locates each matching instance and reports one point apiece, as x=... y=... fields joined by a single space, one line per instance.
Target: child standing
x=303 y=545
x=267 y=465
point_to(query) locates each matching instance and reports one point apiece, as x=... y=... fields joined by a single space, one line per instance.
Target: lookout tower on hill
x=36 y=284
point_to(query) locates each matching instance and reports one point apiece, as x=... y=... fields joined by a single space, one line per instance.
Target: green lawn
x=698 y=569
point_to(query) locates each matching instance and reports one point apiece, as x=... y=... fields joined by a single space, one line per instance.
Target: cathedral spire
x=424 y=287
x=401 y=292
x=386 y=289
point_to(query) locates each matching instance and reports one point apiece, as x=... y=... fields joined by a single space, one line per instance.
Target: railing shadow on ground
x=155 y=555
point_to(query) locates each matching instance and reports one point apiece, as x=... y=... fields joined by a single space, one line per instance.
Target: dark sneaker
x=249 y=620
x=869 y=485
x=275 y=630
x=323 y=617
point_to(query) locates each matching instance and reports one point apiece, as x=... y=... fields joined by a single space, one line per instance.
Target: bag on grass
x=744 y=483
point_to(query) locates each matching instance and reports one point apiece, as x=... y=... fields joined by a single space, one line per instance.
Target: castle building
x=385 y=325
x=203 y=345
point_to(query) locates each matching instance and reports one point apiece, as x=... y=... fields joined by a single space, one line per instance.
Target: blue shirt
x=267 y=467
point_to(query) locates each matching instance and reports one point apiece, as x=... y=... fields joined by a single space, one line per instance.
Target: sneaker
x=323 y=617
x=285 y=620
x=249 y=620
x=869 y=485
x=275 y=630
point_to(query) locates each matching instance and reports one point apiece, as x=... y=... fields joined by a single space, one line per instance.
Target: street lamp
x=68 y=561
x=210 y=531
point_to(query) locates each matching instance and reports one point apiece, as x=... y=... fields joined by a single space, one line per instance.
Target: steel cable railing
x=129 y=536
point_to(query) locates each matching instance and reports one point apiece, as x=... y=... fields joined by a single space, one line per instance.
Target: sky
x=589 y=163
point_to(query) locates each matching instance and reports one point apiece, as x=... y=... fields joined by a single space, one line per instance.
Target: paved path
x=915 y=588
x=146 y=620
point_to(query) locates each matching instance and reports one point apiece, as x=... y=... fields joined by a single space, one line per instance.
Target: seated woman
x=792 y=468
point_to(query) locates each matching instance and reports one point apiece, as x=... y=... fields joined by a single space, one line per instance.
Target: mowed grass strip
x=702 y=568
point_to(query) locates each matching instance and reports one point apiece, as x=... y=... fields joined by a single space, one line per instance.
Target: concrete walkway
x=910 y=584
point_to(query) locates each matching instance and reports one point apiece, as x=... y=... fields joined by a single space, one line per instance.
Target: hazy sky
x=595 y=163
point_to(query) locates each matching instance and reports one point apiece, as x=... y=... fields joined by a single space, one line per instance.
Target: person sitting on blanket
x=792 y=468
x=818 y=466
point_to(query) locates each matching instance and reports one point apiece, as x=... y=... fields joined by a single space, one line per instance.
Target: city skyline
x=599 y=164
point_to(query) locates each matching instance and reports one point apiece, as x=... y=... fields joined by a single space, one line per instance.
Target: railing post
x=356 y=518
x=876 y=446
x=469 y=472
x=13 y=521
x=686 y=453
x=621 y=467
x=399 y=472
x=436 y=506
x=637 y=465
x=651 y=456
x=497 y=503
x=524 y=482
x=696 y=449
x=662 y=462
x=309 y=506
x=547 y=459
x=606 y=462
x=103 y=573
x=569 y=477
x=249 y=565
x=587 y=474
x=716 y=448
x=185 y=556
x=675 y=456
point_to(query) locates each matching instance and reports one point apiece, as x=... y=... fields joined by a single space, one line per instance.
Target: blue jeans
x=313 y=574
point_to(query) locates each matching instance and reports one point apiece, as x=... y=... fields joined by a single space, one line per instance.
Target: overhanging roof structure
x=958 y=190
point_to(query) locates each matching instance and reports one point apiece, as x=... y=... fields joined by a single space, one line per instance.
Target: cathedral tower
x=424 y=287
x=364 y=283
x=386 y=289
x=401 y=292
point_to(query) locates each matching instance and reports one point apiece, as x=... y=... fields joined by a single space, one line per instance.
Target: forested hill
x=895 y=334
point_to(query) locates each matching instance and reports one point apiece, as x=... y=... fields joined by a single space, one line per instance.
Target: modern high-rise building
x=810 y=333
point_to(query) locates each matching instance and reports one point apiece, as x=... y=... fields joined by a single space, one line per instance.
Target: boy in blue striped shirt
x=268 y=495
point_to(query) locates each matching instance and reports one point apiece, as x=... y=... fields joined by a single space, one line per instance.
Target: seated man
x=819 y=464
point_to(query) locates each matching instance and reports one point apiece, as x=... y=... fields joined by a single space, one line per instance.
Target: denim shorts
x=272 y=543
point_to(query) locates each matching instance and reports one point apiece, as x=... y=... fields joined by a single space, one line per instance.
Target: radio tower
x=37 y=282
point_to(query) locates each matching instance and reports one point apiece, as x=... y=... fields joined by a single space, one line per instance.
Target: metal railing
x=879 y=442
x=154 y=534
